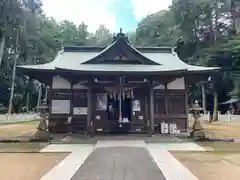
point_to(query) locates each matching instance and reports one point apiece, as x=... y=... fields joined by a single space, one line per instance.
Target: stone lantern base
x=42 y=133
x=198 y=131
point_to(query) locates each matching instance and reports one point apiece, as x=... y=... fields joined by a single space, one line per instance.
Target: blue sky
x=114 y=14
x=124 y=15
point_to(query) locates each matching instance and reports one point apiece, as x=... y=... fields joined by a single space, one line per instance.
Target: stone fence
x=222 y=118
x=19 y=117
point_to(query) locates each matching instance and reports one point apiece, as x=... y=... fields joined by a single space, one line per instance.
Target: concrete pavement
x=120 y=160
x=119 y=163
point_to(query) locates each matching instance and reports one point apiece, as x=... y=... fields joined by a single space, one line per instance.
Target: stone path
x=120 y=160
x=121 y=143
x=119 y=163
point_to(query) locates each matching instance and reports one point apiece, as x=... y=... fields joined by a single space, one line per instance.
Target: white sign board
x=80 y=110
x=164 y=128
x=125 y=120
x=173 y=128
x=136 y=105
x=61 y=106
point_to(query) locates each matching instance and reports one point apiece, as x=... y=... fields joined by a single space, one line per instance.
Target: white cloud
x=91 y=12
x=144 y=7
x=96 y=12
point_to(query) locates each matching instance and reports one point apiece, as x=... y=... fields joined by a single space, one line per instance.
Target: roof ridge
x=163 y=49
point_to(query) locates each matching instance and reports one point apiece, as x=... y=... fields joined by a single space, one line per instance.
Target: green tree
x=103 y=36
x=158 y=29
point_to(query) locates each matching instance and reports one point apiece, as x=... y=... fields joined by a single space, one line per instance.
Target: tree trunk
x=234 y=15
x=27 y=102
x=215 y=108
x=13 y=75
x=216 y=30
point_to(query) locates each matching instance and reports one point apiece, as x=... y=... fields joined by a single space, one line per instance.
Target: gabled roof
x=89 y=59
x=120 y=47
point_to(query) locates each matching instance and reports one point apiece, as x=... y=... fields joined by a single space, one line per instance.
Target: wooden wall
x=170 y=104
x=71 y=117
x=140 y=119
x=100 y=117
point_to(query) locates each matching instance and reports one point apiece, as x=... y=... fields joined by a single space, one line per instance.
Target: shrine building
x=117 y=89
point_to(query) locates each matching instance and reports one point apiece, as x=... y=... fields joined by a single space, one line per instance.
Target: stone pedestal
x=42 y=134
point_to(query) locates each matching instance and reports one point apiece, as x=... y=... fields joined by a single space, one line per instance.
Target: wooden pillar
x=186 y=101
x=151 y=111
x=89 y=115
x=146 y=110
x=204 y=99
x=166 y=99
x=70 y=126
x=93 y=111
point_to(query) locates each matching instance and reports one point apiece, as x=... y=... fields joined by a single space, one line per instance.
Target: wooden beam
x=165 y=79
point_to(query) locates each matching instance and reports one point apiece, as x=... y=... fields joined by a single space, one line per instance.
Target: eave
x=135 y=73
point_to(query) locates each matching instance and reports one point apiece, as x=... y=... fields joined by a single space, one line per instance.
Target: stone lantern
x=42 y=133
x=197 y=129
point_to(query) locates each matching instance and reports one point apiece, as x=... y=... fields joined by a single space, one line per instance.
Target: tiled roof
x=73 y=57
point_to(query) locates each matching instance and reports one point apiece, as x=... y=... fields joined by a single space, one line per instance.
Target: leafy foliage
x=40 y=38
x=204 y=32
